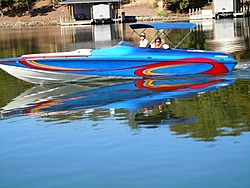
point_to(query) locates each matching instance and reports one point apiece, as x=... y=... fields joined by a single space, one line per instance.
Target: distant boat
x=123 y=60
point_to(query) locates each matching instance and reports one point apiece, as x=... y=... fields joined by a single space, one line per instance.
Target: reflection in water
x=105 y=94
x=224 y=112
x=180 y=103
x=18 y=41
x=94 y=37
x=226 y=35
x=75 y=134
x=187 y=105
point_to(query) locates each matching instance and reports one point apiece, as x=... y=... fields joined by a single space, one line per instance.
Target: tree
x=10 y=3
x=198 y=3
x=184 y=5
x=178 y=5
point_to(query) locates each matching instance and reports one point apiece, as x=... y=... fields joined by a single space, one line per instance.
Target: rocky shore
x=28 y=24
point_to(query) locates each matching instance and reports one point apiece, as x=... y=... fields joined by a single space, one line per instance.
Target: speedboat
x=122 y=60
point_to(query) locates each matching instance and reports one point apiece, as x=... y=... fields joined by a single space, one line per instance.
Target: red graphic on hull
x=149 y=70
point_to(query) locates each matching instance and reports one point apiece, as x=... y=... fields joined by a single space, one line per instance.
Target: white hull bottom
x=40 y=76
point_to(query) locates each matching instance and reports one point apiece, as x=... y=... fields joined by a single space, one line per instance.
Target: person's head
x=158 y=43
x=158 y=40
x=143 y=35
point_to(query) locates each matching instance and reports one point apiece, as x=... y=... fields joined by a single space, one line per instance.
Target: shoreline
x=6 y=23
x=54 y=18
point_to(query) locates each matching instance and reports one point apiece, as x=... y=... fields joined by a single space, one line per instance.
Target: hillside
x=42 y=11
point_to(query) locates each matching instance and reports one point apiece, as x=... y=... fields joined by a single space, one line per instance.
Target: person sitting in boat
x=143 y=42
x=158 y=44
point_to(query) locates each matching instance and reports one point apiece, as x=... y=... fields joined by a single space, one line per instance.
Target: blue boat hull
x=119 y=61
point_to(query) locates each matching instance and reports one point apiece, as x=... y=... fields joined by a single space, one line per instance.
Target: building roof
x=68 y=2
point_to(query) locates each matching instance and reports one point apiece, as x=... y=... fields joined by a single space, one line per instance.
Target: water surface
x=114 y=133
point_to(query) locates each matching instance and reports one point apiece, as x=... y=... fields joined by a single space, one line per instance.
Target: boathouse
x=222 y=9
x=89 y=11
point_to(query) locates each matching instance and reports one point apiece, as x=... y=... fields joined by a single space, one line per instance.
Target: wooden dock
x=75 y=23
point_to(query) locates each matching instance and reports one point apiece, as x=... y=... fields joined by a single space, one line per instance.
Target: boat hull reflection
x=105 y=94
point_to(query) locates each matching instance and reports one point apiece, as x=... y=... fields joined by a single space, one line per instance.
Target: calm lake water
x=174 y=132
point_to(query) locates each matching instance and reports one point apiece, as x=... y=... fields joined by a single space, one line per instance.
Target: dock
x=75 y=23
x=200 y=14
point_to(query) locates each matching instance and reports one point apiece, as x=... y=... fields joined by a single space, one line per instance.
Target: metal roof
x=67 y=2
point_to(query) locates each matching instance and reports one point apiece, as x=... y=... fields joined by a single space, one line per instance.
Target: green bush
x=152 y=5
x=162 y=13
